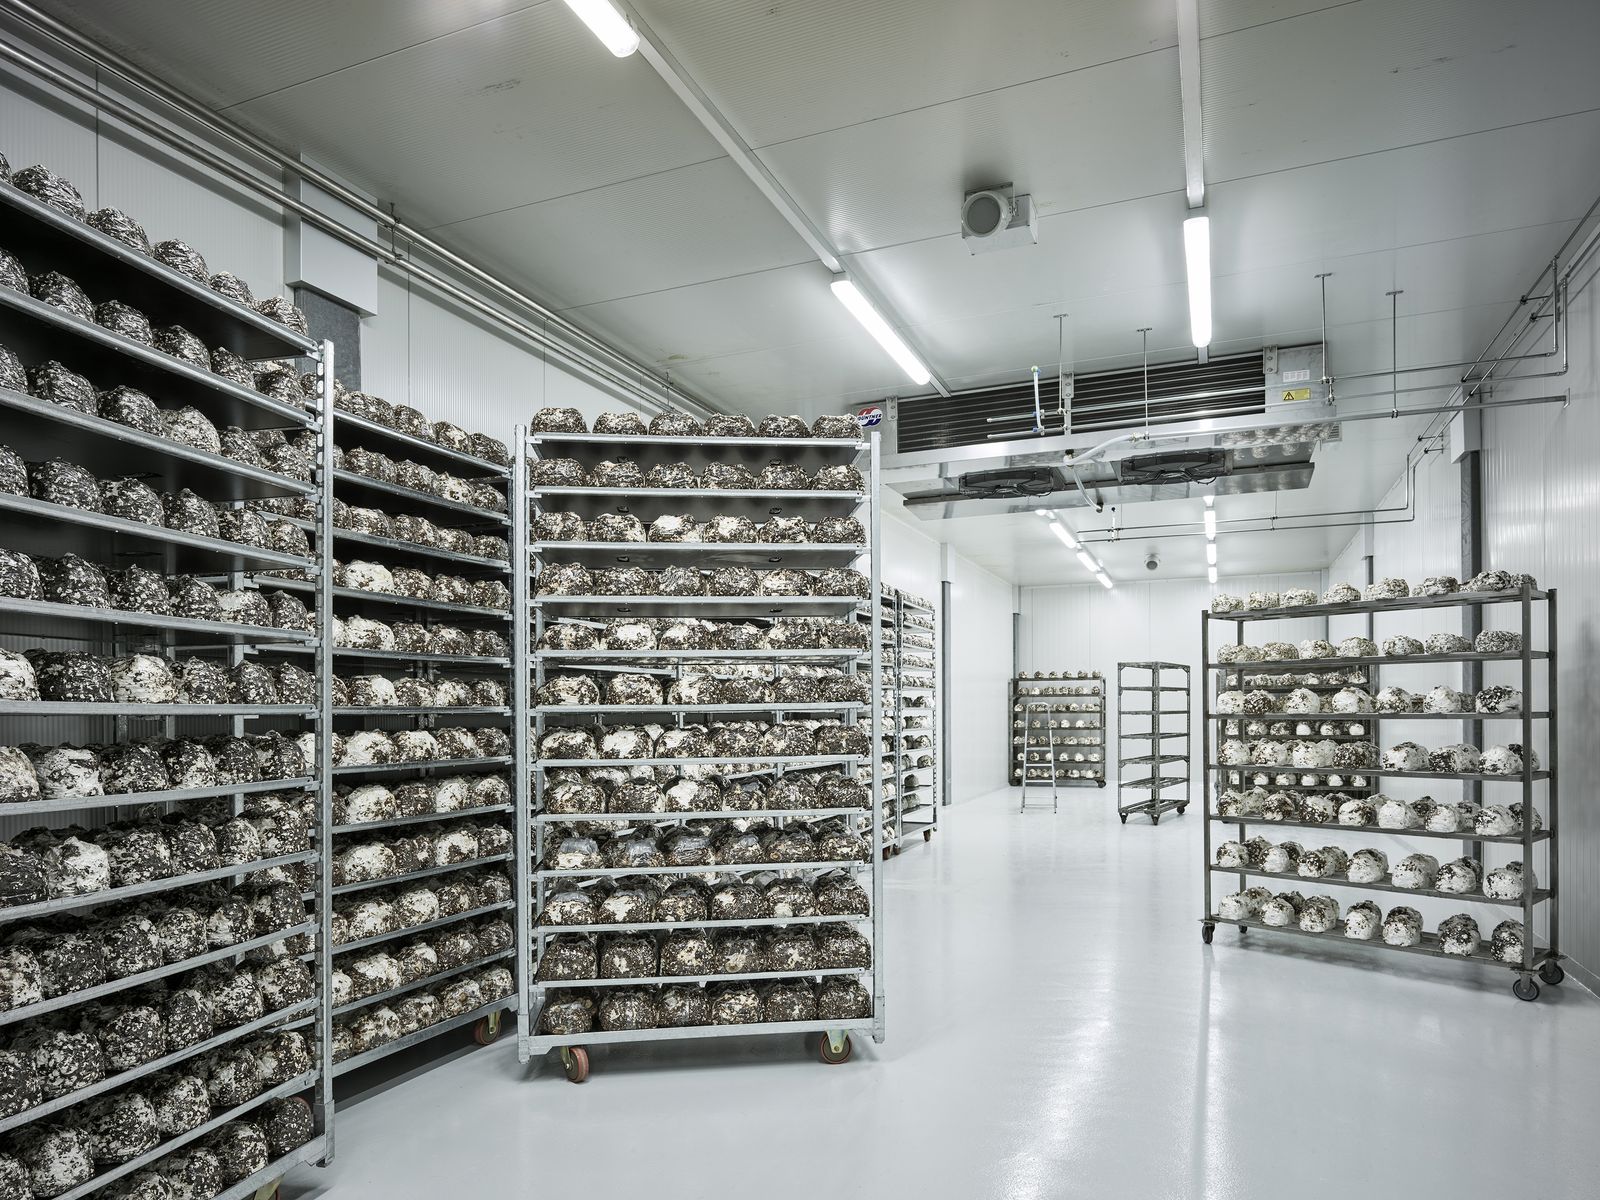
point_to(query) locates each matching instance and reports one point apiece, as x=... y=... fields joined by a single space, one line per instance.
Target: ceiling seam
x=962 y=99
x=806 y=262
x=1438 y=141
x=362 y=62
x=599 y=187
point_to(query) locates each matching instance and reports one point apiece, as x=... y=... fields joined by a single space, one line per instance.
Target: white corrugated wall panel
x=1541 y=510
x=980 y=666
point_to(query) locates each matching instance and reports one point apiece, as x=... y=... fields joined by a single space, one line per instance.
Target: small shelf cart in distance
x=914 y=735
x=543 y=673
x=1537 y=957
x=1153 y=736
x=1057 y=730
x=82 y=554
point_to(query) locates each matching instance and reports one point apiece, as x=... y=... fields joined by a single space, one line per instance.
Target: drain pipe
x=567 y=342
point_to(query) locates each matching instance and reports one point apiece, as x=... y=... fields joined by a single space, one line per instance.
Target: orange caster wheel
x=833 y=1053
x=576 y=1061
x=487 y=1030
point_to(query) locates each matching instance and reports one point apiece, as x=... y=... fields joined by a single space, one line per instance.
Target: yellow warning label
x=1296 y=394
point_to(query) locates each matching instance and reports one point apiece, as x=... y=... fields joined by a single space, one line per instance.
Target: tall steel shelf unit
x=1540 y=957
x=38 y=429
x=915 y=696
x=1150 y=742
x=538 y=613
x=1053 y=719
x=353 y=431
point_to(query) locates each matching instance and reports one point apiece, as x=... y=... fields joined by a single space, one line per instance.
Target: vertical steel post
x=941 y=754
x=324 y=1107
x=879 y=1015
x=521 y=711
x=1552 y=788
x=1206 y=752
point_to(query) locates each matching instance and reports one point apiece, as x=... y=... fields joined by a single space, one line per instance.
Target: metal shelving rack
x=1151 y=741
x=1539 y=957
x=43 y=238
x=1039 y=750
x=535 y=614
x=351 y=431
x=914 y=699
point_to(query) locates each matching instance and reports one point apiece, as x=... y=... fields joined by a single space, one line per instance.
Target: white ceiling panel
x=1502 y=179
x=232 y=50
x=789 y=70
x=1379 y=74
x=508 y=112
x=1097 y=136
x=666 y=230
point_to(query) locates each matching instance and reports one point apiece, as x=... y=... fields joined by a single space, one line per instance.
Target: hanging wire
x=1144 y=335
x=1394 y=351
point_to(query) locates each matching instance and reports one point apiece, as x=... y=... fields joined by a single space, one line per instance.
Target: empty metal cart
x=1148 y=694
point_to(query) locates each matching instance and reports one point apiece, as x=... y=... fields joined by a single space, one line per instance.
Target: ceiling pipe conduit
x=567 y=342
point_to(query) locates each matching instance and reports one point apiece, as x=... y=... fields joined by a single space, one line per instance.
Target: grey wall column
x=339 y=323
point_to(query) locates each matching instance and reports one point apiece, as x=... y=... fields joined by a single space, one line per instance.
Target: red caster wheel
x=833 y=1054
x=576 y=1061
x=487 y=1030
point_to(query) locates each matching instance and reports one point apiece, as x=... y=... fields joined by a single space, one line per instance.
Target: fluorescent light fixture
x=1065 y=534
x=1211 y=574
x=1045 y=513
x=1197 y=254
x=1088 y=563
x=850 y=296
x=1105 y=580
x=1211 y=523
x=607 y=24
x=1210 y=500
x=1211 y=553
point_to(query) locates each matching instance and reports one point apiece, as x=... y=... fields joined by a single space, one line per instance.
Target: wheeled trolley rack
x=912 y=721
x=665 y=677
x=145 y=715
x=1524 y=890
x=1153 y=736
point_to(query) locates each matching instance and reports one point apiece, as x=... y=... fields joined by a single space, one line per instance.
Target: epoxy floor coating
x=1056 y=1029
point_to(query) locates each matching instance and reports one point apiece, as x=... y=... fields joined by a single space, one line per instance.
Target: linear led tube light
x=1211 y=575
x=1211 y=553
x=1197 y=256
x=1065 y=534
x=1088 y=563
x=850 y=296
x=1210 y=500
x=1211 y=524
x=607 y=24
x=1105 y=580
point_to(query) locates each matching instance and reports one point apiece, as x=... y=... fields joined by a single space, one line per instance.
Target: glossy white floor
x=1056 y=1029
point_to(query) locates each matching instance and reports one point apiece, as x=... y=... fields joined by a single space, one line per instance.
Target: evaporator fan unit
x=1010 y=483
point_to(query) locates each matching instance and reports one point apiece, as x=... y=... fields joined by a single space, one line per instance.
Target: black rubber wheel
x=1525 y=989
x=577 y=1063
x=1552 y=973
x=927 y=835
x=1181 y=807
x=1155 y=818
x=1206 y=932
x=826 y=1052
x=1124 y=817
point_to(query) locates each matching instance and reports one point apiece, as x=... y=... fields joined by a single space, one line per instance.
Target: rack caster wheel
x=927 y=835
x=1207 y=931
x=1525 y=988
x=1181 y=807
x=1552 y=973
x=576 y=1060
x=1155 y=818
x=833 y=1053
x=1124 y=817
x=487 y=1030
